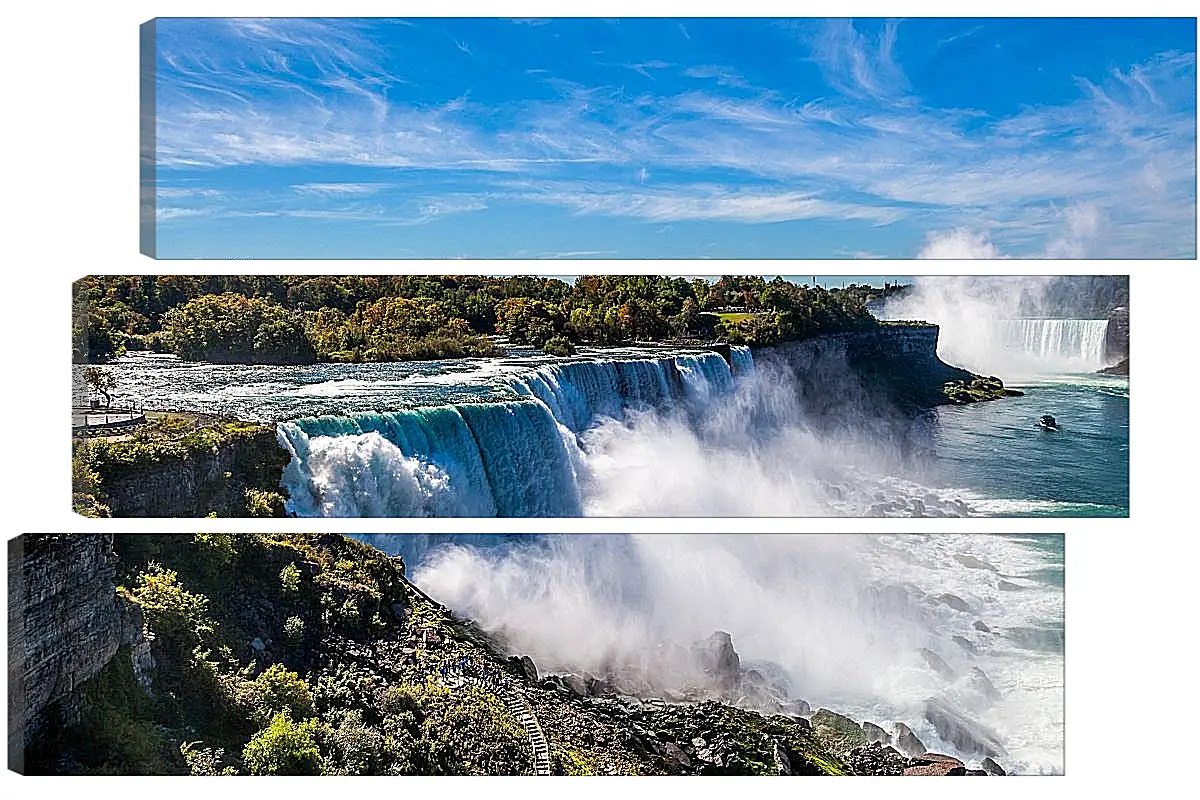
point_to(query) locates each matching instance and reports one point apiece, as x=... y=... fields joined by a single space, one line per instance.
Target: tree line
x=279 y=319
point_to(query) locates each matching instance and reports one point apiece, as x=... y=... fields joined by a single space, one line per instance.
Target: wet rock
x=576 y=684
x=992 y=768
x=959 y=730
x=954 y=601
x=876 y=759
x=676 y=757
x=979 y=626
x=526 y=666
x=842 y=733
x=964 y=643
x=907 y=741
x=937 y=664
x=971 y=562
x=935 y=764
x=717 y=658
x=796 y=708
x=979 y=682
x=875 y=733
x=783 y=765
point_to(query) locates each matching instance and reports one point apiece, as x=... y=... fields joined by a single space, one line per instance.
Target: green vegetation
x=106 y=470
x=284 y=748
x=259 y=646
x=978 y=390
x=102 y=381
x=300 y=319
x=294 y=654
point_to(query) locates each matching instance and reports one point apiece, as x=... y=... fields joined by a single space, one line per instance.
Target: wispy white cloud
x=857 y=65
x=697 y=202
x=339 y=189
x=1111 y=173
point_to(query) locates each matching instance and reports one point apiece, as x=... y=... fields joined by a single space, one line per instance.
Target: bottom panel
x=653 y=654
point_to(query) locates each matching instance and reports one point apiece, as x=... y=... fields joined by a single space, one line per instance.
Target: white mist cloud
x=843 y=617
x=959 y=243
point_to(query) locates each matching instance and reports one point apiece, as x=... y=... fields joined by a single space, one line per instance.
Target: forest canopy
x=301 y=319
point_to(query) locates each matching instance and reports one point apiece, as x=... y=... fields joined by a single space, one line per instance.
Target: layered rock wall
x=65 y=623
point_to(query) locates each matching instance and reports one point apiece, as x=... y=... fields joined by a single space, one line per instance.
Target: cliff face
x=65 y=623
x=1116 y=335
x=197 y=484
x=892 y=365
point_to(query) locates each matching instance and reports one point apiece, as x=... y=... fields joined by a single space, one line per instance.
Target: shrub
x=278 y=689
x=262 y=503
x=284 y=748
x=559 y=346
x=205 y=760
x=289 y=579
x=168 y=606
x=293 y=630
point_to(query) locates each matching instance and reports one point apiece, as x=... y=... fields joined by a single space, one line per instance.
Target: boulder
x=954 y=601
x=907 y=741
x=676 y=757
x=981 y=683
x=964 y=643
x=875 y=733
x=797 y=708
x=937 y=664
x=971 y=562
x=576 y=684
x=992 y=768
x=959 y=730
x=979 y=626
x=876 y=759
x=935 y=764
x=719 y=661
x=842 y=733
x=526 y=666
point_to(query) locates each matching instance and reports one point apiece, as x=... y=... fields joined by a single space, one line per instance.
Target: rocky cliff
x=1116 y=336
x=194 y=482
x=894 y=366
x=65 y=624
x=318 y=650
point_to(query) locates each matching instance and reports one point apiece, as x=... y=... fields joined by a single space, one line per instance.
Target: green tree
x=284 y=748
x=102 y=381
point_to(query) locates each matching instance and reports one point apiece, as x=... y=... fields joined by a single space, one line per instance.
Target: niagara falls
x=925 y=402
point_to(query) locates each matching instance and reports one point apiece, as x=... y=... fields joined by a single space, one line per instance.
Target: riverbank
x=317 y=650
x=178 y=465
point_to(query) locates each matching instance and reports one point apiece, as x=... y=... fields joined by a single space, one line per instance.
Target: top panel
x=669 y=138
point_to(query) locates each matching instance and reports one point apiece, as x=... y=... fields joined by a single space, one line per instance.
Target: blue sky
x=676 y=138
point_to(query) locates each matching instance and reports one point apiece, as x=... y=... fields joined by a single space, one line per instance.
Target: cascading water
x=1070 y=343
x=873 y=626
x=513 y=458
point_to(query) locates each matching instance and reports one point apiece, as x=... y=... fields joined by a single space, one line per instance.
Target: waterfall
x=742 y=361
x=511 y=458
x=1073 y=342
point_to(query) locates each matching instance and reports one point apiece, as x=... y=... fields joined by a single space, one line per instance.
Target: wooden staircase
x=518 y=706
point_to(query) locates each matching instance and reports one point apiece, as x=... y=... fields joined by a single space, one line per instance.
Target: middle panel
x=602 y=395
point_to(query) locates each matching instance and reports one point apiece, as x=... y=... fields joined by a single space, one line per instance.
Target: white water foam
x=845 y=616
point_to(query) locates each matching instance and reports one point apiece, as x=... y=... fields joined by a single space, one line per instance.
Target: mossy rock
x=840 y=732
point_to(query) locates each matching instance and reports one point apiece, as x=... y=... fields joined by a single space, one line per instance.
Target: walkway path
x=517 y=705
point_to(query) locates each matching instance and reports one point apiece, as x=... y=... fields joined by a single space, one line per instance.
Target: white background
x=70 y=144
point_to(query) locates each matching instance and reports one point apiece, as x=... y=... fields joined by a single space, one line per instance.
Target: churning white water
x=986 y=327
x=850 y=621
x=677 y=436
